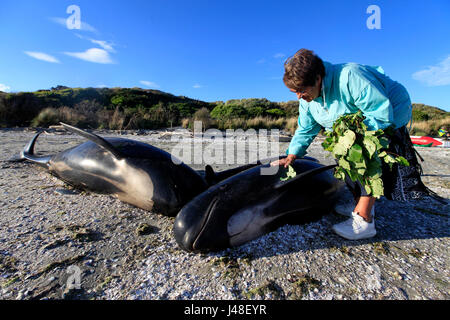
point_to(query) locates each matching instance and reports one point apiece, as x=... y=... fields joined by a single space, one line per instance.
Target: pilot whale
x=135 y=172
x=247 y=205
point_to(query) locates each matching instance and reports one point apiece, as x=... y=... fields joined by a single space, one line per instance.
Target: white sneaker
x=355 y=228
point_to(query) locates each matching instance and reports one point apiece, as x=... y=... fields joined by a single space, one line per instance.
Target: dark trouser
x=355 y=187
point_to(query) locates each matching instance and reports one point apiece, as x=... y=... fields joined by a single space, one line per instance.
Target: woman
x=327 y=91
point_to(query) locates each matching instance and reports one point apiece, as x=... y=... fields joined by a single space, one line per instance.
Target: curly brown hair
x=301 y=70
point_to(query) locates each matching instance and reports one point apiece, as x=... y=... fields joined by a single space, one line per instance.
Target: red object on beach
x=425 y=140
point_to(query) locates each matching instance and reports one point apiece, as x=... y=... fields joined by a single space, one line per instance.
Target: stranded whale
x=135 y=172
x=247 y=205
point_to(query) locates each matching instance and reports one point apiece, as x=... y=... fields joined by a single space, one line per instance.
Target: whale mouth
x=209 y=211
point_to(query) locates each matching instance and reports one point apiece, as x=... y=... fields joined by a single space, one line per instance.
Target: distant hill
x=124 y=108
x=136 y=108
x=91 y=106
x=427 y=120
x=423 y=112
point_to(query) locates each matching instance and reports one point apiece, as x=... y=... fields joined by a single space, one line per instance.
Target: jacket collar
x=326 y=85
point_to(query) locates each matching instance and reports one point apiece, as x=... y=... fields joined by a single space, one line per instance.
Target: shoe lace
x=356 y=221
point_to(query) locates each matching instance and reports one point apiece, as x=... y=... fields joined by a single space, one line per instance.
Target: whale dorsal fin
x=96 y=139
x=302 y=176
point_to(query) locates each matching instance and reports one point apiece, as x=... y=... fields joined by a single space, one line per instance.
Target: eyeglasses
x=305 y=90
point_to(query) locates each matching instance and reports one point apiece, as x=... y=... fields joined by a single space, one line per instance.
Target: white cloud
x=279 y=55
x=84 y=25
x=4 y=88
x=197 y=86
x=433 y=76
x=42 y=56
x=149 y=84
x=108 y=46
x=95 y=55
x=104 y=44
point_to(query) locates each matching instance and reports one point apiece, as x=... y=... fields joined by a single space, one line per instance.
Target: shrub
x=254 y=112
x=185 y=123
x=291 y=125
x=277 y=113
x=117 y=120
x=290 y=108
x=228 y=111
x=204 y=116
x=47 y=117
x=419 y=115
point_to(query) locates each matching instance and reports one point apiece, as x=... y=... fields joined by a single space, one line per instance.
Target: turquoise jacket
x=347 y=88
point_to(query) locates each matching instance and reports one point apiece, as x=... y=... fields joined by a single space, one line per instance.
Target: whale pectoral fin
x=210 y=175
x=302 y=176
x=96 y=139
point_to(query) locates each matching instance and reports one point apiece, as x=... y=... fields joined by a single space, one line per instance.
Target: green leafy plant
x=289 y=174
x=360 y=152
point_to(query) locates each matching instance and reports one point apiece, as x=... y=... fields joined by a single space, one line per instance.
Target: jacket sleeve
x=369 y=95
x=307 y=130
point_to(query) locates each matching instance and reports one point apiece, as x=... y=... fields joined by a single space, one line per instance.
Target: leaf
x=289 y=174
x=361 y=164
x=402 y=161
x=355 y=153
x=363 y=126
x=339 y=174
x=389 y=159
x=374 y=169
x=370 y=145
x=344 y=143
x=344 y=164
x=377 y=187
x=352 y=175
x=384 y=142
x=361 y=171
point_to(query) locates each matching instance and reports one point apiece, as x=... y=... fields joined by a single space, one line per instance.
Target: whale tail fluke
x=28 y=153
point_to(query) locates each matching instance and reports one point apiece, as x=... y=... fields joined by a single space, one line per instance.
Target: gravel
x=46 y=227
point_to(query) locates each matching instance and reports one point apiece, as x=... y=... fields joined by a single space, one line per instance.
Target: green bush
x=204 y=116
x=276 y=113
x=419 y=115
x=228 y=111
x=254 y=112
x=47 y=117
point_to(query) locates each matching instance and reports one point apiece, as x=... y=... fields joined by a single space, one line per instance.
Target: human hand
x=286 y=162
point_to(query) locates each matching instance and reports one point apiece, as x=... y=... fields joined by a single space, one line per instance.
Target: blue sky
x=219 y=50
